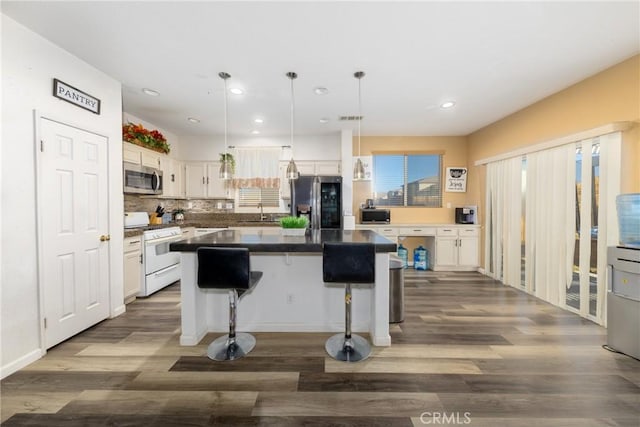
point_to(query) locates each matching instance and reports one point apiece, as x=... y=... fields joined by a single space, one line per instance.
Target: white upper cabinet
x=320 y=167
x=141 y=156
x=173 y=177
x=328 y=168
x=202 y=181
x=131 y=153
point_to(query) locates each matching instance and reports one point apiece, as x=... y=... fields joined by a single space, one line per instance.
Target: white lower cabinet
x=456 y=248
x=390 y=233
x=452 y=248
x=132 y=267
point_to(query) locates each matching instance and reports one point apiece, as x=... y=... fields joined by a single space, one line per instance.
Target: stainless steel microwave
x=381 y=216
x=142 y=179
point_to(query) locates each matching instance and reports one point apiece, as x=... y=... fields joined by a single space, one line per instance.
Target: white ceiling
x=491 y=58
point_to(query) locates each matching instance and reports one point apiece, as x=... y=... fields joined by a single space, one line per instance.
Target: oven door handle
x=162 y=240
x=166 y=270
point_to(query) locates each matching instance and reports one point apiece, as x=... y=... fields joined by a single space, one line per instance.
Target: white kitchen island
x=291 y=296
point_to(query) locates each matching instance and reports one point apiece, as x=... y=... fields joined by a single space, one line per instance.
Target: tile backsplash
x=135 y=203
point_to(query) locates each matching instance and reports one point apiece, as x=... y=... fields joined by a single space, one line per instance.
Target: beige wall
x=454 y=149
x=610 y=96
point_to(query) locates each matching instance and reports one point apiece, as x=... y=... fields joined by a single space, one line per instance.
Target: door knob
x=104 y=238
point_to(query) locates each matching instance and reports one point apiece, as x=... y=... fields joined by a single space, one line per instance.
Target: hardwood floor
x=470 y=352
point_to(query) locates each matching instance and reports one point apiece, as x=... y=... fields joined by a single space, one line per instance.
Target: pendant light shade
x=358 y=171
x=292 y=169
x=358 y=168
x=226 y=166
x=226 y=170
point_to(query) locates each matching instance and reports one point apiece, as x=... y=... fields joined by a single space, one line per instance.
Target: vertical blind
x=565 y=226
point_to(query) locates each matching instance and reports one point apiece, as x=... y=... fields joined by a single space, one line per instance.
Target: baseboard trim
x=20 y=363
x=118 y=311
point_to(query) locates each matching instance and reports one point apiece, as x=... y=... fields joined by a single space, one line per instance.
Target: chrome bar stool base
x=348 y=350
x=223 y=348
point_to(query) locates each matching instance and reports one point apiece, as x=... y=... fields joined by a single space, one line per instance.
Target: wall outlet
x=448 y=205
x=289 y=298
x=189 y=205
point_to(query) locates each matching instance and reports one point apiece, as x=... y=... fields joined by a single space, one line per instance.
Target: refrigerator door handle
x=316 y=206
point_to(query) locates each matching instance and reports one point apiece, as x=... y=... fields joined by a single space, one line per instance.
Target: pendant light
x=226 y=167
x=292 y=169
x=358 y=169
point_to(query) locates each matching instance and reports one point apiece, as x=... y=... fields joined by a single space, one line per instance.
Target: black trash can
x=396 y=289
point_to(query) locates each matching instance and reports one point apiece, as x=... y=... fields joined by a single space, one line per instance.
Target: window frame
x=406 y=154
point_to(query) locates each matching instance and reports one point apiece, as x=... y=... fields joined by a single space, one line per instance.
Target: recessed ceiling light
x=150 y=92
x=255 y=132
x=447 y=104
x=320 y=90
x=236 y=91
x=193 y=120
x=258 y=120
x=324 y=120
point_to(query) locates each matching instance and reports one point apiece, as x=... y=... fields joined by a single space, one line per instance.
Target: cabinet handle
x=173 y=177
x=140 y=258
x=134 y=242
x=446 y=230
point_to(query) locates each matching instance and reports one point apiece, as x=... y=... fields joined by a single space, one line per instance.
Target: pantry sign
x=75 y=96
x=456 y=180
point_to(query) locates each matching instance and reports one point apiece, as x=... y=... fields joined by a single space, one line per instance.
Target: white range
x=160 y=267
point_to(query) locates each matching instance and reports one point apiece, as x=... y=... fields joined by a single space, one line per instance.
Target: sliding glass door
x=559 y=227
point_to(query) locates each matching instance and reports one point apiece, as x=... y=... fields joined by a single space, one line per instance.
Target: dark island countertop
x=272 y=240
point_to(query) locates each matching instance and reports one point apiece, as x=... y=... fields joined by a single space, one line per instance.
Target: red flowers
x=152 y=139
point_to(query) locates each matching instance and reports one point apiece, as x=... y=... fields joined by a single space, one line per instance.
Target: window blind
x=250 y=197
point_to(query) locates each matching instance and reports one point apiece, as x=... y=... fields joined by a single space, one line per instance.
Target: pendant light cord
x=359 y=112
x=224 y=76
x=292 y=76
x=359 y=75
x=226 y=149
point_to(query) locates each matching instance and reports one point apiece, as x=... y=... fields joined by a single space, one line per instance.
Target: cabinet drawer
x=132 y=244
x=462 y=232
x=417 y=231
x=387 y=231
x=447 y=231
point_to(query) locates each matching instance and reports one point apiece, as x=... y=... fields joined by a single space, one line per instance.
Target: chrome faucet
x=262 y=215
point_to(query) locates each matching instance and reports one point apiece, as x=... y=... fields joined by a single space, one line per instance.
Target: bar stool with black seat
x=228 y=268
x=348 y=263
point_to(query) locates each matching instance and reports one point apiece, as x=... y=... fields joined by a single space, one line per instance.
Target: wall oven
x=140 y=179
x=161 y=266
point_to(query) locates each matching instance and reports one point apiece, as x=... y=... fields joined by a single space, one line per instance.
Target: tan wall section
x=454 y=149
x=610 y=96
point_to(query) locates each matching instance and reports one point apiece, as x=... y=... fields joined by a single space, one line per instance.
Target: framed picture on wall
x=456 y=180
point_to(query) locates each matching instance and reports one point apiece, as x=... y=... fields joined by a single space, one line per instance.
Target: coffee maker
x=467 y=215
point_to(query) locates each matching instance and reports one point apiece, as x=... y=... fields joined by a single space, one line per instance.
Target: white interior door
x=73 y=213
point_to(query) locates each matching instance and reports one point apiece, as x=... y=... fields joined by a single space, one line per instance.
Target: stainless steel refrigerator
x=319 y=198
